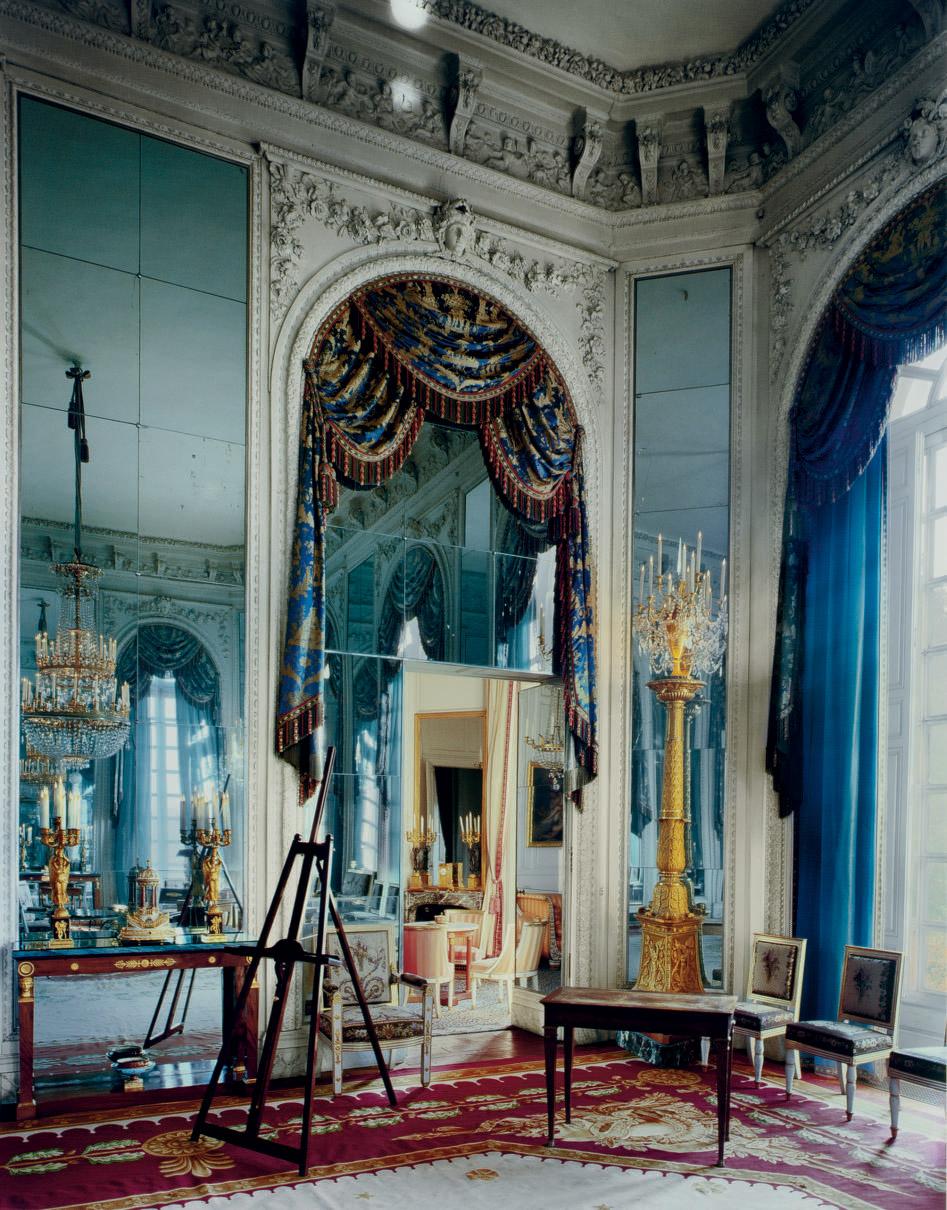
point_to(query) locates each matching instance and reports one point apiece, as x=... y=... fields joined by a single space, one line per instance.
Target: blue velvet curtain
x=402 y=349
x=822 y=750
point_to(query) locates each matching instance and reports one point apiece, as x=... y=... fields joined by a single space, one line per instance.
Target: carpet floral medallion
x=639 y=1136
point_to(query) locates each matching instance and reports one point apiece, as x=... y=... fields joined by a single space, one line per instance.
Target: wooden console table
x=706 y=1016
x=33 y=964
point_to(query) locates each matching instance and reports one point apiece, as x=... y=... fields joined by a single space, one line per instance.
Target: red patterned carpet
x=639 y=1136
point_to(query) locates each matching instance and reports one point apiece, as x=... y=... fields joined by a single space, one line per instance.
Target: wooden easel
x=285 y=955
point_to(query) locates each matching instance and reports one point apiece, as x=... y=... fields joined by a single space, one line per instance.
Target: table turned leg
x=549 y=1045
x=723 y=1074
x=729 y=1085
x=568 y=1037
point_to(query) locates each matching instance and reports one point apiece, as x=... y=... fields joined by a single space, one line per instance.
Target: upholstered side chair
x=342 y=1027
x=773 y=993
x=867 y=1020
x=924 y=1065
x=514 y=963
x=427 y=954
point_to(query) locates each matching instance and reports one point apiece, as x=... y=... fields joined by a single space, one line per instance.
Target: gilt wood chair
x=773 y=994
x=341 y=1026
x=867 y=1020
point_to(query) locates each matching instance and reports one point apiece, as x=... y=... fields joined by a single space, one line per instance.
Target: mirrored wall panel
x=432 y=566
x=133 y=281
x=680 y=543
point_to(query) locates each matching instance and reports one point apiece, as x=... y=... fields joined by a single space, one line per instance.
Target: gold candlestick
x=57 y=839
x=213 y=839
x=678 y=629
x=470 y=834
x=420 y=838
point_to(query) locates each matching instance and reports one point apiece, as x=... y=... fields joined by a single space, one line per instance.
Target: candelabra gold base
x=59 y=922
x=215 y=927
x=670 y=953
x=473 y=882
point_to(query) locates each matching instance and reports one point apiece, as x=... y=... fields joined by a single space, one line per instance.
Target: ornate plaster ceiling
x=628 y=34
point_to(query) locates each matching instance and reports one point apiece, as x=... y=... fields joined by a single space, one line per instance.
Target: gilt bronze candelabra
x=57 y=839
x=682 y=632
x=213 y=839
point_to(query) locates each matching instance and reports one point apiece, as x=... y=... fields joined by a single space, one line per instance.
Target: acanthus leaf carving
x=717 y=130
x=780 y=100
x=648 y=135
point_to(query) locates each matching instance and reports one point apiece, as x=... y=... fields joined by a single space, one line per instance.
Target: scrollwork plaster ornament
x=454 y=228
x=931 y=13
x=320 y=14
x=469 y=79
x=588 y=149
x=649 y=155
x=780 y=99
x=717 y=131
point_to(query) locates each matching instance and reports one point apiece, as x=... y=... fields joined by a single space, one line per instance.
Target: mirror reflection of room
x=132 y=569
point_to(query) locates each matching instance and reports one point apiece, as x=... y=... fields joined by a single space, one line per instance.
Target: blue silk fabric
x=403 y=349
x=822 y=750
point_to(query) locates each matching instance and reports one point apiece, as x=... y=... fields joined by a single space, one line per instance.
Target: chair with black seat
x=341 y=1025
x=924 y=1065
x=867 y=1019
x=773 y=993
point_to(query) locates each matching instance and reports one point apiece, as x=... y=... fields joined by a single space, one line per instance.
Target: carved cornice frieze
x=223 y=44
x=548 y=51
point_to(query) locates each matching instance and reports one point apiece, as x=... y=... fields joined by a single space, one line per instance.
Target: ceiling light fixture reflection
x=410 y=14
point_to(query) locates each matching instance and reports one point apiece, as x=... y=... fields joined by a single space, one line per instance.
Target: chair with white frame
x=773 y=993
x=867 y=1020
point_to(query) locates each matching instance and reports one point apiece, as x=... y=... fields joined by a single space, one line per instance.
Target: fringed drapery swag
x=822 y=748
x=400 y=350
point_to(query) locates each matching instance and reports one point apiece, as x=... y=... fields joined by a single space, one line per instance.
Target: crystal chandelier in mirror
x=549 y=746
x=75 y=711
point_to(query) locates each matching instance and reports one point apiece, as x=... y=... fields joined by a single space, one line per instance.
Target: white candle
x=650 y=575
x=183 y=815
x=225 y=812
x=44 y=807
x=73 y=809
x=59 y=801
x=660 y=555
x=680 y=545
x=700 y=543
x=723 y=581
x=641 y=583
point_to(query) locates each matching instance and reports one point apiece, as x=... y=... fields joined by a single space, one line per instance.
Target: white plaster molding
x=298 y=194
x=717 y=133
x=640 y=80
x=469 y=79
x=588 y=149
x=738 y=723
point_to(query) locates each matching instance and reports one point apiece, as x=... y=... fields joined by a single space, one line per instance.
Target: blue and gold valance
x=401 y=350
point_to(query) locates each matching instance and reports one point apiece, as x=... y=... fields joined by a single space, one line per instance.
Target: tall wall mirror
x=450 y=784
x=681 y=499
x=133 y=667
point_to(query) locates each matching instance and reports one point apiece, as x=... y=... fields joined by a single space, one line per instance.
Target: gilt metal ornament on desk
x=683 y=633
x=212 y=838
x=146 y=923
x=57 y=839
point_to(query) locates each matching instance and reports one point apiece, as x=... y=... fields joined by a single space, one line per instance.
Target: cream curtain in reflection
x=499 y=886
